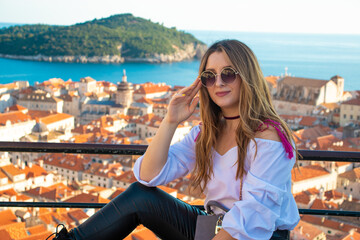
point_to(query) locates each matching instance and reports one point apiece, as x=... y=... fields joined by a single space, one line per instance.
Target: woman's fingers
x=191 y=90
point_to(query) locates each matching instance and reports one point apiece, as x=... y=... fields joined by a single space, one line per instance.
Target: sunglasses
x=208 y=78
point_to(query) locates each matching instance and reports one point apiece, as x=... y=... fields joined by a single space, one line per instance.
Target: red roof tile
x=308 y=172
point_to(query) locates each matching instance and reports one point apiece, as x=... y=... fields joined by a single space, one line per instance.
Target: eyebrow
x=213 y=70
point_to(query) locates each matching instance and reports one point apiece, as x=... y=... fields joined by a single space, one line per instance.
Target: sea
x=316 y=56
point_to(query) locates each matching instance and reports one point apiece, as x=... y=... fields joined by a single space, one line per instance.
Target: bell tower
x=124 y=95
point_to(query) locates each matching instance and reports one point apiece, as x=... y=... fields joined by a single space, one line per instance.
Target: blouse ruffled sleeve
x=180 y=161
x=267 y=203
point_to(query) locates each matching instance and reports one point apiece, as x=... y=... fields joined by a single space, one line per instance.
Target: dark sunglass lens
x=228 y=75
x=207 y=79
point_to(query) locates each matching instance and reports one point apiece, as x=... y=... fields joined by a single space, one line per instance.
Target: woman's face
x=226 y=96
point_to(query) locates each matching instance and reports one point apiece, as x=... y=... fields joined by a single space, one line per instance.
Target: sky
x=288 y=16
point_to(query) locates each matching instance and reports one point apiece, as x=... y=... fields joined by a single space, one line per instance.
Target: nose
x=218 y=80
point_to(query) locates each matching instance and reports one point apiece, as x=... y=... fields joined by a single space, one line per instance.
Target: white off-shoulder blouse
x=267 y=203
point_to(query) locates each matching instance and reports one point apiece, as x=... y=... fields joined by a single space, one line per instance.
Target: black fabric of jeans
x=169 y=218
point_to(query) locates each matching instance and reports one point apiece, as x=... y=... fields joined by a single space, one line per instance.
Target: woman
x=240 y=156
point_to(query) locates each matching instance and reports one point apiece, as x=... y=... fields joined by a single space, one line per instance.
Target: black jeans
x=169 y=218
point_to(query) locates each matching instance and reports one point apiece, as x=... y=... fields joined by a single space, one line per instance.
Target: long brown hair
x=255 y=106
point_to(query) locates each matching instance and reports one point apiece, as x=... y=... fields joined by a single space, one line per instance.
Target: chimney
x=301 y=230
x=41 y=163
x=30 y=164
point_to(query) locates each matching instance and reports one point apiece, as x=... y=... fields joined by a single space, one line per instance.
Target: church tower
x=124 y=95
x=339 y=81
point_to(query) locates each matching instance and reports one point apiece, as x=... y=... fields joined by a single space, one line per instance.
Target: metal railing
x=307 y=155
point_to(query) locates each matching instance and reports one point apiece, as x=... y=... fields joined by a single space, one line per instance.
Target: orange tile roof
x=313 y=133
x=36 y=229
x=12 y=170
x=15 y=230
x=117 y=192
x=87 y=198
x=324 y=222
x=55 y=117
x=2 y=176
x=37 y=236
x=78 y=215
x=324 y=205
x=333 y=195
x=302 y=197
x=127 y=177
x=14 y=117
x=308 y=231
x=352 y=236
x=7 y=217
x=66 y=161
x=325 y=142
x=17 y=107
x=272 y=80
x=4 y=235
x=307 y=172
x=148 y=88
x=352 y=175
x=355 y=101
x=307 y=121
x=35 y=171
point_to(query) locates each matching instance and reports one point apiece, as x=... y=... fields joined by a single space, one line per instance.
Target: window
x=351 y=116
x=344 y=115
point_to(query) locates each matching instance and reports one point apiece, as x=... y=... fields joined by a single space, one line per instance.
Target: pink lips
x=221 y=94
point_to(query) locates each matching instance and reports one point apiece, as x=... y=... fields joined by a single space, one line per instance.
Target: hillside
x=114 y=39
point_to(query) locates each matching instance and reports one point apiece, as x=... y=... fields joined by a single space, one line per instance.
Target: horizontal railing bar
x=122 y=149
x=79 y=148
x=100 y=205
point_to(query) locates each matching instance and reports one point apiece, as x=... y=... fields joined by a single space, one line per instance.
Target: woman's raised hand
x=183 y=103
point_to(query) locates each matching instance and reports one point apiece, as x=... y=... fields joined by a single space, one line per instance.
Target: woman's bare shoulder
x=269 y=133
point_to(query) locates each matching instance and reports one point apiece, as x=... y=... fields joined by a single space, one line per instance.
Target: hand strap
x=213 y=203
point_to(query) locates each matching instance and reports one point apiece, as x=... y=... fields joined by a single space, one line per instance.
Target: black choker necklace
x=232 y=118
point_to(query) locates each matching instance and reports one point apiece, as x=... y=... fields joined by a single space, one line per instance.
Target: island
x=116 y=39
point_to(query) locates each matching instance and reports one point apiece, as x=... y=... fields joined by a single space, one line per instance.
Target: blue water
x=305 y=55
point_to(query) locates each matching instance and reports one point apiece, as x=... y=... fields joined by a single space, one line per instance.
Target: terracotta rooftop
x=272 y=80
x=298 y=81
x=324 y=205
x=148 y=88
x=308 y=121
x=65 y=161
x=313 y=133
x=17 y=107
x=15 y=230
x=352 y=175
x=14 y=117
x=7 y=217
x=308 y=172
x=334 y=195
x=34 y=171
x=12 y=170
x=87 y=198
x=322 y=221
x=302 y=197
x=355 y=101
x=307 y=231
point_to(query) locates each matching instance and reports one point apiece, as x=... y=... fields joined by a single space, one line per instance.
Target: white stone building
x=300 y=96
x=41 y=100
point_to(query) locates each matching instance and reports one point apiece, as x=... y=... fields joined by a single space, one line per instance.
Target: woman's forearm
x=157 y=152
